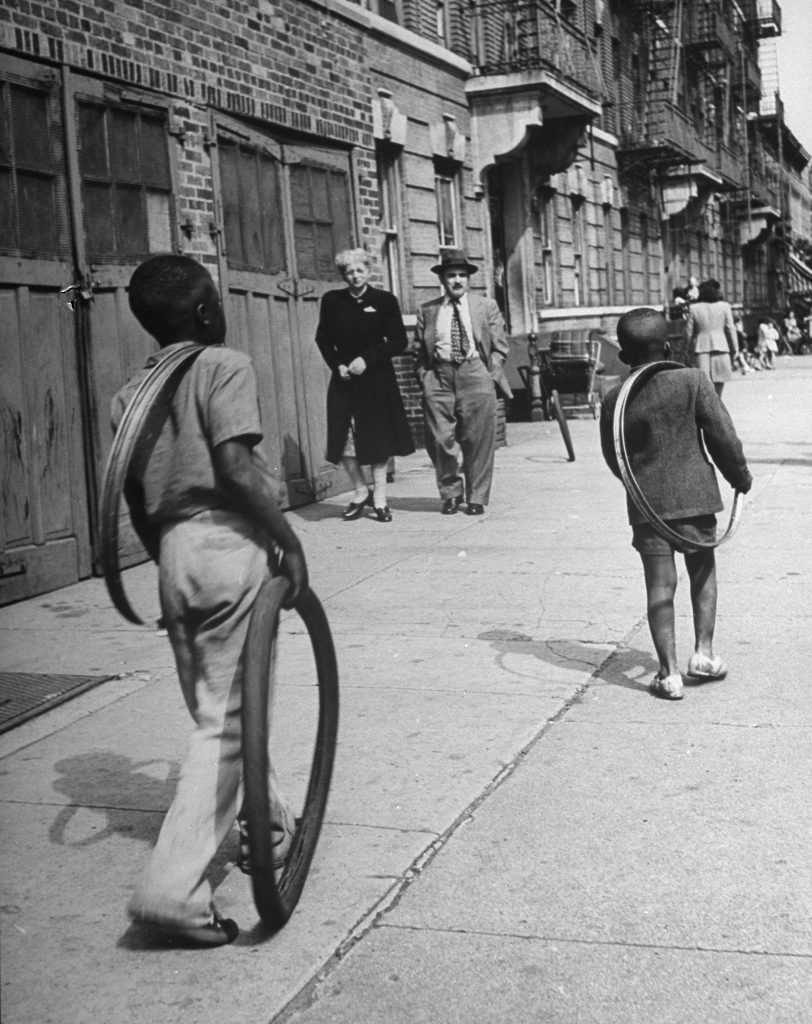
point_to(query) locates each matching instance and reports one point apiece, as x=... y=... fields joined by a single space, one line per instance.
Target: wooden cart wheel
x=633 y=382
x=276 y=893
x=558 y=411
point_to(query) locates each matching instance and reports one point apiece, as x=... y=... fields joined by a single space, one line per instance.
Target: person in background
x=792 y=332
x=767 y=343
x=740 y=360
x=360 y=331
x=711 y=334
x=460 y=350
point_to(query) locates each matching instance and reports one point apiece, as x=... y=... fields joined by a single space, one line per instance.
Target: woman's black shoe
x=355 y=509
x=383 y=514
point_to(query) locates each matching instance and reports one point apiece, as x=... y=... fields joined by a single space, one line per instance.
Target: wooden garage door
x=284 y=212
x=123 y=182
x=44 y=536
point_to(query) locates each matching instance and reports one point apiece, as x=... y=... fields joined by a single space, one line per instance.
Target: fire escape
x=536 y=76
x=687 y=115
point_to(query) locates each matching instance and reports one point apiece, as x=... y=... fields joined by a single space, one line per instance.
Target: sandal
x=705 y=668
x=667 y=687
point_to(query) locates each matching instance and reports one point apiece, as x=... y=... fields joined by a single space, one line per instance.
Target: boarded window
x=251 y=196
x=126 y=181
x=29 y=185
x=321 y=218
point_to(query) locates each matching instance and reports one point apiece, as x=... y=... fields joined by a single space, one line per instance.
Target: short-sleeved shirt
x=215 y=401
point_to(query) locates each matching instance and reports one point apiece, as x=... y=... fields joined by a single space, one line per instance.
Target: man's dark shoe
x=475 y=509
x=450 y=506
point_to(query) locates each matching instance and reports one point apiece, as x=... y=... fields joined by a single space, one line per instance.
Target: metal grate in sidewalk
x=24 y=695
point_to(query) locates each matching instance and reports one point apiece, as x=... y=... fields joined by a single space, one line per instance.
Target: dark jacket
x=373 y=329
x=673 y=423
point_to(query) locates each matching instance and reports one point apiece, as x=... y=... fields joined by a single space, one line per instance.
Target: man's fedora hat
x=453 y=259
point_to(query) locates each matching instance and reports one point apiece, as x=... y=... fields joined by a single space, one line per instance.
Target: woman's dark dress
x=370 y=327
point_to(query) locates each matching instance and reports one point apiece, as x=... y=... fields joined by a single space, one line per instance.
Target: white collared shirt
x=442 y=347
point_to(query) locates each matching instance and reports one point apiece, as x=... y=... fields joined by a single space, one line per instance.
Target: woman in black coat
x=360 y=330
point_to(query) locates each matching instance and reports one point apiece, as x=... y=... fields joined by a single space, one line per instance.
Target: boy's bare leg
x=701 y=566
x=661 y=585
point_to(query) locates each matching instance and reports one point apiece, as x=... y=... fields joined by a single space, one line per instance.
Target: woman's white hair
x=347 y=256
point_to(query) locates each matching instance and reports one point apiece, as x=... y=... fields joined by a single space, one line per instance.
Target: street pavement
x=517 y=830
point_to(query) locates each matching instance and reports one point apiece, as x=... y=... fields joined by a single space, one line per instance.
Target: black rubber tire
x=558 y=411
x=139 y=426
x=277 y=893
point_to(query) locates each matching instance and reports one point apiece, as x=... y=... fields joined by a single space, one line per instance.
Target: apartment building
x=590 y=155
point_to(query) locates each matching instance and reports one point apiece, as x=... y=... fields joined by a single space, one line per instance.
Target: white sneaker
x=669 y=687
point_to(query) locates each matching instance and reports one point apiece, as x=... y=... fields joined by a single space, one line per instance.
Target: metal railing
x=659 y=124
x=525 y=35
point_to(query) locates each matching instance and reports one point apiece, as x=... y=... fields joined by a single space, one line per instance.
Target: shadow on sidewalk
x=626 y=667
x=120 y=788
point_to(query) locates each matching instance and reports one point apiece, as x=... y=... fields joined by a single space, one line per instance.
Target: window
x=388 y=163
x=580 y=284
x=322 y=222
x=126 y=181
x=546 y=214
x=389 y=9
x=567 y=8
x=646 y=258
x=271 y=193
x=609 y=255
x=252 y=218
x=440 y=21
x=29 y=220
x=446 y=184
x=625 y=255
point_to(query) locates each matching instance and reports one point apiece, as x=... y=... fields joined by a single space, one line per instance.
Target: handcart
x=569 y=367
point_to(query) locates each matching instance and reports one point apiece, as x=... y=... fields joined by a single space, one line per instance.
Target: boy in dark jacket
x=672 y=424
x=206 y=508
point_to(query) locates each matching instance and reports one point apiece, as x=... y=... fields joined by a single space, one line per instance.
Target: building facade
x=590 y=155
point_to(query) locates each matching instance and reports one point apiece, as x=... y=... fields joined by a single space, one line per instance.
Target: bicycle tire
x=276 y=895
x=563 y=426
x=154 y=389
x=634 y=381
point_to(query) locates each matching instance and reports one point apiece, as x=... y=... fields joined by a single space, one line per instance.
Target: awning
x=799 y=276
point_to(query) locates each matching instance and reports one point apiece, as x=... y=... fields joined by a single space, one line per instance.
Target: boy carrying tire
x=673 y=423
x=206 y=508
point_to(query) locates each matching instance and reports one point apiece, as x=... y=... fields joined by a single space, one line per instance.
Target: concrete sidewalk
x=516 y=831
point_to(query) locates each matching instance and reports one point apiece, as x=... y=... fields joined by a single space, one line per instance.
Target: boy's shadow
x=134 y=801
x=621 y=666
x=103 y=780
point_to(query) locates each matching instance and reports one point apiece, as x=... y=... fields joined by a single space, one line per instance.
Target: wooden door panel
x=44 y=526
x=117 y=348
x=260 y=324
x=44 y=540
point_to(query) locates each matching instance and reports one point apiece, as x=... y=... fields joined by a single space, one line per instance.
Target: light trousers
x=211 y=569
x=459 y=407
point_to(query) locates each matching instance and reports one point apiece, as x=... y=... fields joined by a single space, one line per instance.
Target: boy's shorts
x=697 y=528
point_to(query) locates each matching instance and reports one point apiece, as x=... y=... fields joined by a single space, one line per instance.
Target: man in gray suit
x=459 y=355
